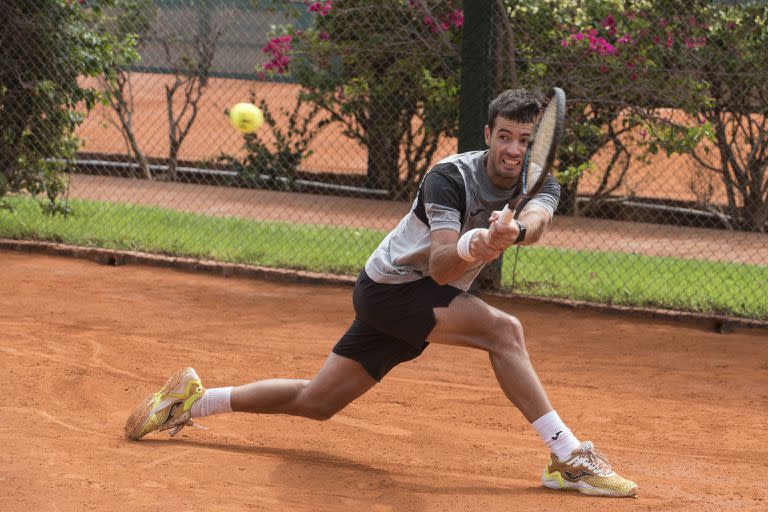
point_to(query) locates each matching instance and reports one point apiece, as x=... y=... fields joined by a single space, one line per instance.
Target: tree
x=190 y=66
x=45 y=47
x=129 y=19
x=188 y=59
x=387 y=72
x=612 y=57
x=729 y=63
x=631 y=68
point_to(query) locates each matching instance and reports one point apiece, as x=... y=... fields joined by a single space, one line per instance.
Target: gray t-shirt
x=455 y=194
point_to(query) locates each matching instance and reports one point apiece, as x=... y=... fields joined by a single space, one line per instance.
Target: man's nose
x=516 y=148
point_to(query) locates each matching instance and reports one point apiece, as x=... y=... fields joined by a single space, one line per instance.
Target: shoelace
x=177 y=428
x=597 y=459
x=176 y=424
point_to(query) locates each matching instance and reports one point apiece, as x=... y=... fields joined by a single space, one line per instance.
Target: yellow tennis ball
x=246 y=117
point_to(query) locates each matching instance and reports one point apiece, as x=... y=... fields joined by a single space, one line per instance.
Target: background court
x=678 y=408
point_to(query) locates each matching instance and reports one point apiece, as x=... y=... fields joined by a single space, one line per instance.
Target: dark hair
x=518 y=105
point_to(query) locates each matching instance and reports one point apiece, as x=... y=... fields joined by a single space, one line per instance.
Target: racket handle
x=506 y=215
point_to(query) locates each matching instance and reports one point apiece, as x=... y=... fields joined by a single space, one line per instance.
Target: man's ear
x=487 y=133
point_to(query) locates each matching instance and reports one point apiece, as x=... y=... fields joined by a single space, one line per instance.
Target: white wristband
x=462 y=246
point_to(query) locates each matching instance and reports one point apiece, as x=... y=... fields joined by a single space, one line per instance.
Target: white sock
x=213 y=401
x=558 y=437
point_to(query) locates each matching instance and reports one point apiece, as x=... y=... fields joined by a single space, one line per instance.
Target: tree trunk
x=383 y=144
x=567 y=204
x=755 y=212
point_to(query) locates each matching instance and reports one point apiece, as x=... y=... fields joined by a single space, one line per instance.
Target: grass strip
x=604 y=277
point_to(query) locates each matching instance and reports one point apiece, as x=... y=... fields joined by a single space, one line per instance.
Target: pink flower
x=321 y=8
x=609 y=23
x=564 y=43
x=605 y=48
x=278 y=48
x=324 y=36
x=597 y=44
x=457 y=17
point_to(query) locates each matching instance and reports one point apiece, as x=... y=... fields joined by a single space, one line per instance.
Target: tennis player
x=413 y=290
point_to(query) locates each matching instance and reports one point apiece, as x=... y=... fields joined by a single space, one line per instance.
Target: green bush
x=47 y=46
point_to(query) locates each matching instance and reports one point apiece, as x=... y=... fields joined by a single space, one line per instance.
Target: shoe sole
x=141 y=414
x=564 y=485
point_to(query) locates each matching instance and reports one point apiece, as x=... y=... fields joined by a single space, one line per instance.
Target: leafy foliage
x=46 y=47
x=631 y=67
x=274 y=165
x=392 y=84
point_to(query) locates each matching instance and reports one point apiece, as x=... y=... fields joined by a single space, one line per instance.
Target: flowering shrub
x=278 y=48
x=627 y=65
x=387 y=71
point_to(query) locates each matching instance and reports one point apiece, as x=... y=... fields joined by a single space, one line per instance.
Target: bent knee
x=315 y=408
x=320 y=412
x=508 y=334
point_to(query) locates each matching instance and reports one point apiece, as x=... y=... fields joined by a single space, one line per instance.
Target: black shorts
x=392 y=322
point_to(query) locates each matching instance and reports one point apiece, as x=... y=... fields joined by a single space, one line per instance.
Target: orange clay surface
x=679 y=409
x=674 y=177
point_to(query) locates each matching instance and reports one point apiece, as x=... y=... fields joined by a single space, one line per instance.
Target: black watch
x=521 y=234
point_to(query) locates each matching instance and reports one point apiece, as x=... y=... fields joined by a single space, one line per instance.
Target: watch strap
x=521 y=234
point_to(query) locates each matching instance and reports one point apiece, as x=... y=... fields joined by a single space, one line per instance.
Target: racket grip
x=506 y=215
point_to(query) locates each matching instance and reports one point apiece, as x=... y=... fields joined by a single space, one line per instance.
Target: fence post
x=475 y=74
x=477 y=85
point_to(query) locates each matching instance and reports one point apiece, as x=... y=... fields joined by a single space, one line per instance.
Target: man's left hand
x=502 y=235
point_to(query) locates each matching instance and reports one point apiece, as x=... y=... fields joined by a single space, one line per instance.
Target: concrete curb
x=117 y=257
x=720 y=323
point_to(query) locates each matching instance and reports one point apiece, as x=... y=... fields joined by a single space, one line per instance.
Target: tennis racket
x=541 y=153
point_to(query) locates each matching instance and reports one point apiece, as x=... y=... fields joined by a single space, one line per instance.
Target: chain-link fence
x=663 y=168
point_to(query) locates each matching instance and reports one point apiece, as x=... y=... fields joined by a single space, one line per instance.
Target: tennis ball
x=246 y=117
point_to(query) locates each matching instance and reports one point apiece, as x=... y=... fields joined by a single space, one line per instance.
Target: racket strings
x=542 y=142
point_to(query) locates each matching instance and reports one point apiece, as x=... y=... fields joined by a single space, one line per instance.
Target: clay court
x=678 y=408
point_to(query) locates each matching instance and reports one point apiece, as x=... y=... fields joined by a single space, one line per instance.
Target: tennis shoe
x=168 y=409
x=587 y=471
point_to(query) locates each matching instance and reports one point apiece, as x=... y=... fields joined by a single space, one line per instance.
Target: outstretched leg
x=339 y=382
x=183 y=397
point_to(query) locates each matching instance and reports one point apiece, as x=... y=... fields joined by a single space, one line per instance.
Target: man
x=413 y=291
